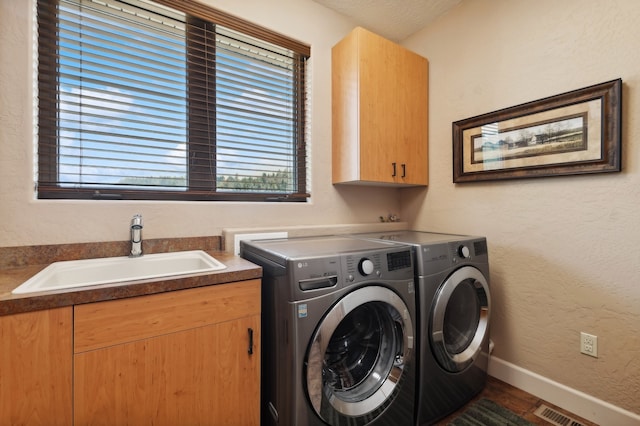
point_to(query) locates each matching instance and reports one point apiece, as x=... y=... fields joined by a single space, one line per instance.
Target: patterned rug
x=485 y=412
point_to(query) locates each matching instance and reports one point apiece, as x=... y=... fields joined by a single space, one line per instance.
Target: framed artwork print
x=577 y=132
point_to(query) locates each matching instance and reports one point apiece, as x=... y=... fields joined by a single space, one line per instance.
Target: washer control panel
x=366 y=266
x=399 y=260
x=326 y=273
x=463 y=251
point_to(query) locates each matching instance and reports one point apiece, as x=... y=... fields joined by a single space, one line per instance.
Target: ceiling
x=392 y=19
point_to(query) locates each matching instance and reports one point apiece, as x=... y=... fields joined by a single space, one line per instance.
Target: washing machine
x=454 y=306
x=338 y=323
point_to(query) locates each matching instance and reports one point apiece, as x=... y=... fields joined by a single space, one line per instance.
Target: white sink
x=90 y=272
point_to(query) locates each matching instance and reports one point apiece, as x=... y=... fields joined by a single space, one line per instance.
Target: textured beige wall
x=564 y=251
x=26 y=221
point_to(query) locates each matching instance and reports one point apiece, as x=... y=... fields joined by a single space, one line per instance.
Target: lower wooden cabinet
x=36 y=368
x=188 y=357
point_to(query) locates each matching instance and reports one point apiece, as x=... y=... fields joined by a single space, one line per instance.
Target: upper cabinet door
x=379 y=128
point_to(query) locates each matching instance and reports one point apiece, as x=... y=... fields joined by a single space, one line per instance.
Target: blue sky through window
x=122 y=109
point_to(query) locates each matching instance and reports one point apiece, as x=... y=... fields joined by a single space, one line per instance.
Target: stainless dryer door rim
x=377 y=389
x=459 y=361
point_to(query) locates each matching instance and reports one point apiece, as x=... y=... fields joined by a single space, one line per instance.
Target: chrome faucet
x=136 y=236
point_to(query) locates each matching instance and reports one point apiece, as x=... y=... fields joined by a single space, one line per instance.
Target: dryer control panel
x=439 y=256
x=466 y=250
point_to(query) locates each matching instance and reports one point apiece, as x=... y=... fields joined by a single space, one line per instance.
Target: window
x=167 y=100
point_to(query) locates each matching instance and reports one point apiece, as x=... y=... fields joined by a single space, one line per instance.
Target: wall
x=27 y=221
x=564 y=251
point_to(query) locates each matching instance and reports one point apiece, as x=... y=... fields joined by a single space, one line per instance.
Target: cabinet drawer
x=102 y=324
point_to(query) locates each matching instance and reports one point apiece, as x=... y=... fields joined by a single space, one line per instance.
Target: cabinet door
x=394 y=104
x=412 y=118
x=35 y=368
x=201 y=376
x=173 y=358
x=379 y=108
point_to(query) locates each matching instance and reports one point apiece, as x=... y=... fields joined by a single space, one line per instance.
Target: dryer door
x=357 y=356
x=460 y=319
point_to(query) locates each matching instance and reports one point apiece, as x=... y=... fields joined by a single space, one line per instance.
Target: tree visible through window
x=142 y=100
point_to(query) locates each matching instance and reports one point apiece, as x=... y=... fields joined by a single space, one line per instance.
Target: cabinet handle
x=404 y=170
x=394 y=169
x=250 y=331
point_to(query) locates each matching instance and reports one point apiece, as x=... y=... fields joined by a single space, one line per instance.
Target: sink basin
x=90 y=272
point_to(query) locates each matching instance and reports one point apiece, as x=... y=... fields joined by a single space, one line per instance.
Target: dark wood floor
x=516 y=400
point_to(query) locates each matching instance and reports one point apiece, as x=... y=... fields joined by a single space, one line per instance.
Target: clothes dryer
x=338 y=325
x=454 y=306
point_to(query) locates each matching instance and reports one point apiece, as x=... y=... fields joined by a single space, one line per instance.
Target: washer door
x=357 y=356
x=460 y=319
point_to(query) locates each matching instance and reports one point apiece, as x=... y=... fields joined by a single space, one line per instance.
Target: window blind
x=139 y=100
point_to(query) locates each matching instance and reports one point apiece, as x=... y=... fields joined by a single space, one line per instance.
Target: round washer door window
x=460 y=319
x=357 y=356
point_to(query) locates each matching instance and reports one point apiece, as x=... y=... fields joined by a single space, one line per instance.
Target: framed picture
x=573 y=133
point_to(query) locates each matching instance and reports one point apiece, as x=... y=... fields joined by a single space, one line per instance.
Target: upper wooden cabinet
x=379 y=113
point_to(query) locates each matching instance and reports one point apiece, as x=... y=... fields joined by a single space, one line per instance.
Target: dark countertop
x=238 y=269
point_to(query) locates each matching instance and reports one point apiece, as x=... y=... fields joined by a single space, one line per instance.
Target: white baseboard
x=572 y=400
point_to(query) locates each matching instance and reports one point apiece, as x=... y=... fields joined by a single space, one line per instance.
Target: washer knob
x=463 y=251
x=366 y=267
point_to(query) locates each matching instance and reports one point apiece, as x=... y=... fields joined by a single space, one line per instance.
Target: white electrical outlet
x=589 y=344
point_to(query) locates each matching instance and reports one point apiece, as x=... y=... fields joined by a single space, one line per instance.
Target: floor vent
x=554 y=417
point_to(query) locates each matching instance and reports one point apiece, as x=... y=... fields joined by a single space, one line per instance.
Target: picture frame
x=577 y=132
